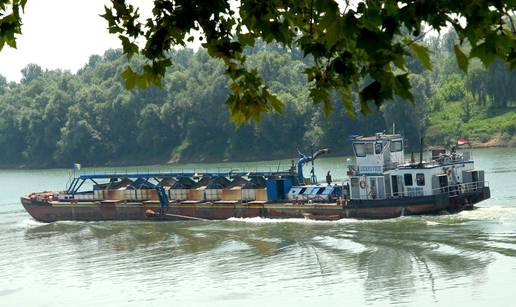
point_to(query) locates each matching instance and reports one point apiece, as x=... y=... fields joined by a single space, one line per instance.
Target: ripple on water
x=490 y=213
x=30 y=222
x=261 y=220
x=341 y=242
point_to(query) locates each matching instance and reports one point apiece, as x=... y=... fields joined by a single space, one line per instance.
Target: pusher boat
x=381 y=185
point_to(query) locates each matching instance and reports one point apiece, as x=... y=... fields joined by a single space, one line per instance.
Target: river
x=464 y=259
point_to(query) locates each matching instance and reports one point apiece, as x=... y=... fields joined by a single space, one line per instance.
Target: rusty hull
x=47 y=210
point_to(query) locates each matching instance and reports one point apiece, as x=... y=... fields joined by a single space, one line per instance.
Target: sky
x=60 y=34
x=63 y=34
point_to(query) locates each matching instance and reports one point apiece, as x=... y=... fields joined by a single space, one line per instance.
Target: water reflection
x=392 y=260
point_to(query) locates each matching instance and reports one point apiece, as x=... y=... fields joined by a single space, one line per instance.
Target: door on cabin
x=280 y=187
x=395 y=187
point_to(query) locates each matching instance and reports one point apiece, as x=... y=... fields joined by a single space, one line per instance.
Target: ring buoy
x=362 y=184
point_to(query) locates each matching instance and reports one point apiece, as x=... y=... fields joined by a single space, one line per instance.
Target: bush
x=509 y=129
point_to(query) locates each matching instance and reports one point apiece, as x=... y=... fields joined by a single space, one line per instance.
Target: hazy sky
x=59 y=34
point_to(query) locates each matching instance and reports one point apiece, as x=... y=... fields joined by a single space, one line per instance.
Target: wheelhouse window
x=420 y=179
x=396 y=146
x=363 y=149
x=408 y=179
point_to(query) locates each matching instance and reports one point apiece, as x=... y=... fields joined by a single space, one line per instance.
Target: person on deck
x=328 y=178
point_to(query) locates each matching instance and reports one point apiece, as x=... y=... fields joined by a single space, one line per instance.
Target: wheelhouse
x=381 y=171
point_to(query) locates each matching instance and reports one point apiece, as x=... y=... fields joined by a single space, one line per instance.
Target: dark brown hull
x=373 y=209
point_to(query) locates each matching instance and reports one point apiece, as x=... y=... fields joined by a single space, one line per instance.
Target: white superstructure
x=382 y=172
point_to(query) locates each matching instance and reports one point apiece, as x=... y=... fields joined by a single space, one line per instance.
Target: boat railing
x=265 y=169
x=452 y=190
x=460 y=188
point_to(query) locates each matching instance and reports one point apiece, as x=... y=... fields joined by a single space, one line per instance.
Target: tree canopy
x=354 y=46
x=359 y=46
x=55 y=118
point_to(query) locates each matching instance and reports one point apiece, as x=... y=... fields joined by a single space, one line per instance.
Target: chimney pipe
x=421 y=152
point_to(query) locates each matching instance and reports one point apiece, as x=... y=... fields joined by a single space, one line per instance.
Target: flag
x=462 y=141
x=76 y=167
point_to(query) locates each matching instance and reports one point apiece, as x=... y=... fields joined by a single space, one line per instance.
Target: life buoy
x=362 y=184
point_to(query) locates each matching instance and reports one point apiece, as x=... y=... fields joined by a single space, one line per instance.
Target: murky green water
x=464 y=259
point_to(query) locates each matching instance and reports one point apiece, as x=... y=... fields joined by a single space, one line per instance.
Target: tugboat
x=381 y=185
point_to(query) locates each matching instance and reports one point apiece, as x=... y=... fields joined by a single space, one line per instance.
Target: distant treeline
x=55 y=118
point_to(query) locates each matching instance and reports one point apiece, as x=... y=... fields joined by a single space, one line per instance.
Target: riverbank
x=482 y=127
x=193 y=161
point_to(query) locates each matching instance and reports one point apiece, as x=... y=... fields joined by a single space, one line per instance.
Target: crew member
x=292 y=166
x=328 y=178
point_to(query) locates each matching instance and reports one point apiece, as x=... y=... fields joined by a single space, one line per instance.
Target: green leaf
x=129 y=48
x=462 y=59
x=486 y=52
x=327 y=108
x=130 y=78
x=276 y=104
x=372 y=92
x=422 y=55
x=347 y=101
x=402 y=87
x=11 y=42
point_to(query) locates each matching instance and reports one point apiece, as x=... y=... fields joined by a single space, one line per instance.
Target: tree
x=356 y=46
x=3 y=84
x=409 y=119
x=31 y=72
x=58 y=117
x=497 y=83
x=349 y=41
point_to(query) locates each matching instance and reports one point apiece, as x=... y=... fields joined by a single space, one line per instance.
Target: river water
x=466 y=259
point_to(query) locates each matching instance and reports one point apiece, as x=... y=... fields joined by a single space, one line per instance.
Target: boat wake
x=432 y=223
x=489 y=212
x=30 y=223
x=495 y=212
x=261 y=220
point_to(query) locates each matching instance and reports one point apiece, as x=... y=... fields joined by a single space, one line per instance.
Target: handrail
x=452 y=190
x=193 y=172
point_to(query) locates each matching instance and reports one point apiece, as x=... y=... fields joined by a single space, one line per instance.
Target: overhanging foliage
x=350 y=41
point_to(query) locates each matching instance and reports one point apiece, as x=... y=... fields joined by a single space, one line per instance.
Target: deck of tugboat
x=433 y=164
x=190 y=204
x=161 y=175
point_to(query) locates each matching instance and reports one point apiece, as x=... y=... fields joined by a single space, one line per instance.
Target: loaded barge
x=381 y=185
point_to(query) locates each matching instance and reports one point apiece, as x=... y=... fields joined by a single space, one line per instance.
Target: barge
x=381 y=185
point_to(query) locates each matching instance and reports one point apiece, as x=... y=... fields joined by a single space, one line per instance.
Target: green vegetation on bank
x=55 y=118
x=484 y=128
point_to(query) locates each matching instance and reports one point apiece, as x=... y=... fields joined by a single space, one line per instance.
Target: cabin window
x=378 y=148
x=420 y=179
x=408 y=179
x=363 y=149
x=396 y=146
